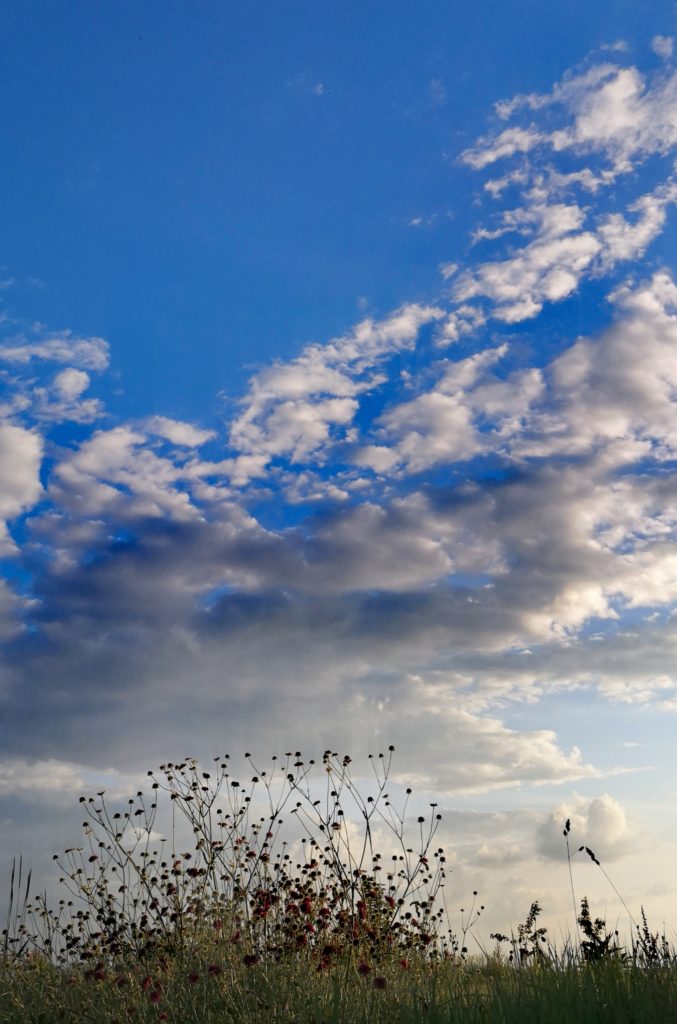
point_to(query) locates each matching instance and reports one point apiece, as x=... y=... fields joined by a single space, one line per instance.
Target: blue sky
x=338 y=360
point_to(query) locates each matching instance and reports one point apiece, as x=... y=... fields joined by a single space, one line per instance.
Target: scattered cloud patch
x=663 y=46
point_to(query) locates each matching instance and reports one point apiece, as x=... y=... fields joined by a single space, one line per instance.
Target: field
x=249 y=925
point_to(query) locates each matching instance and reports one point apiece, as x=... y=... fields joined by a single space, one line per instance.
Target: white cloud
x=623 y=240
x=547 y=269
x=509 y=142
x=115 y=473
x=62 y=400
x=438 y=92
x=615 y=113
x=599 y=823
x=20 y=488
x=83 y=353
x=620 y=386
x=49 y=779
x=297 y=409
x=663 y=46
x=457 y=751
x=179 y=433
x=70 y=384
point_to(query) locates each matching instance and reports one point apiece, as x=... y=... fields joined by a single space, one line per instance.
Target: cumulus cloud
x=599 y=393
x=600 y=823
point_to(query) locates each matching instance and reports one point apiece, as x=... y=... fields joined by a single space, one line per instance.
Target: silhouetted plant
x=132 y=896
x=598 y=944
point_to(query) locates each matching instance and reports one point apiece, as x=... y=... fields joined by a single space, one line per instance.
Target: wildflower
x=155 y=996
x=214 y=970
x=147 y=983
x=363 y=968
x=404 y=964
x=250 y=959
x=193 y=977
x=380 y=982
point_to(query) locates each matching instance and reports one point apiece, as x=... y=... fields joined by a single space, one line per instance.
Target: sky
x=338 y=366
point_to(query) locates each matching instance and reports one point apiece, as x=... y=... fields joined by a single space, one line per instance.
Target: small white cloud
x=20 y=487
x=600 y=824
x=69 y=384
x=85 y=353
x=663 y=46
x=448 y=270
x=509 y=142
x=438 y=92
x=178 y=432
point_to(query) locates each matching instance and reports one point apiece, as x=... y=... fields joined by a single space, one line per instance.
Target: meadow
x=281 y=909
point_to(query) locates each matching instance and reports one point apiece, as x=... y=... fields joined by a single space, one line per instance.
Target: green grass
x=293 y=992
x=237 y=929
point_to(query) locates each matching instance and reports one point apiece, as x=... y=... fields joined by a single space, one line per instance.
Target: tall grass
x=279 y=908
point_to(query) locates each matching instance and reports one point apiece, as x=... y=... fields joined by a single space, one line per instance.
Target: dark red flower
x=214 y=970
x=380 y=982
x=155 y=996
x=250 y=959
x=363 y=968
x=193 y=977
x=147 y=983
